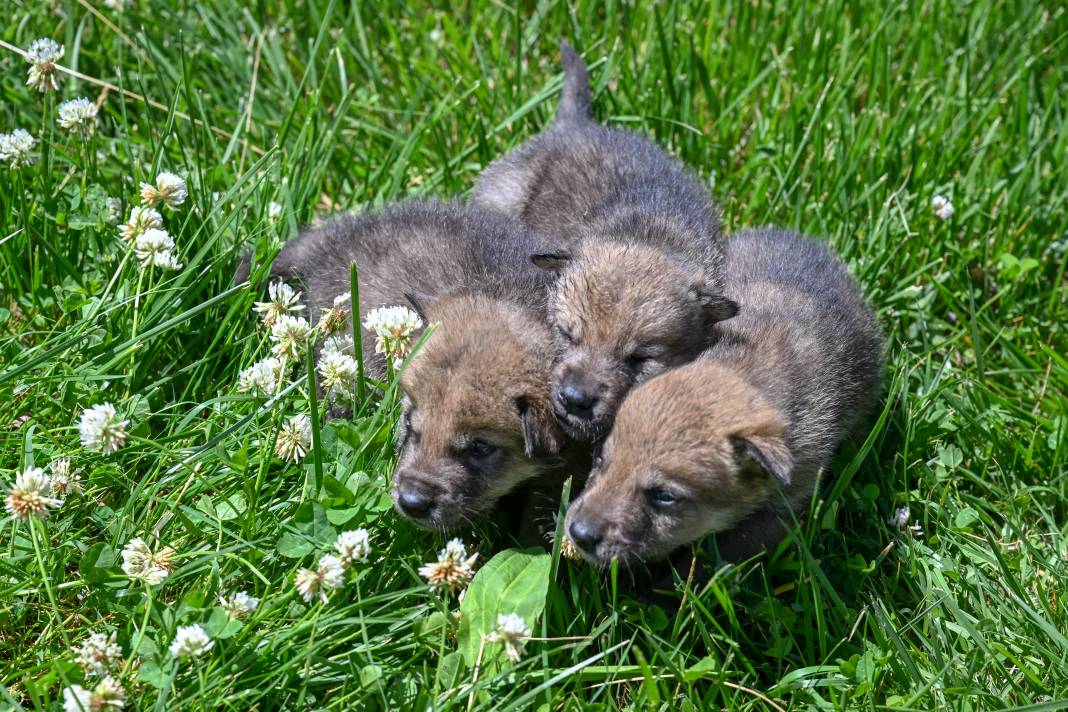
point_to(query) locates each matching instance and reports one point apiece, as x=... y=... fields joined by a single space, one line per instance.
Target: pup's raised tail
x=575 y=97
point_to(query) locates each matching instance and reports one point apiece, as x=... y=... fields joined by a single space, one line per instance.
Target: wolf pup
x=734 y=441
x=477 y=419
x=641 y=279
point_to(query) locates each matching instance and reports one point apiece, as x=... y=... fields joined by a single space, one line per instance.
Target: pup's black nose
x=415 y=504
x=577 y=401
x=585 y=535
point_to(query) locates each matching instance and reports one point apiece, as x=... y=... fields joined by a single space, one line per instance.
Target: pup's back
x=640 y=272
x=713 y=445
x=580 y=179
x=422 y=247
x=804 y=336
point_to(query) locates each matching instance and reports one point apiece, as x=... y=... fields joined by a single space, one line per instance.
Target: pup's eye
x=481 y=448
x=636 y=361
x=661 y=497
x=565 y=335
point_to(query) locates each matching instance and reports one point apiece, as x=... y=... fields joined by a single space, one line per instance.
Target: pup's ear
x=420 y=302
x=552 y=261
x=541 y=434
x=764 y=452
x=716 y=306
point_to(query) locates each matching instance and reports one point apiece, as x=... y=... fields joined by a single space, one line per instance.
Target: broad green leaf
x=965 y=518
x=98 y=563
x=294 y=546
x=513 y=581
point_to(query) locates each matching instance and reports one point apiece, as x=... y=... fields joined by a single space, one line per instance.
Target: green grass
x=840 y=119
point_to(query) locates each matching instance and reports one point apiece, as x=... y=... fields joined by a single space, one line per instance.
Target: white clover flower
x=42 y=56
x=141 y=220
x=338 y=372
x=332 y=571
x=394 y=327
x=64 y=479
x=190 y=641
x=327 y=576
x=294 y=439
x=239 y=605
x=31 y=495
x=78 y=115
x=353 y=546
x=98 y=653
x=101 y=429
x=453 y=569
x=15 y=148
x=511 y=630
x=942 y=208
x=337 y=345
x=263 y=378
x=336 y=318
x=290 y=334
x=108 y=695
x=155 y=248
x=169 y=189
x=284 y=299
x=114 y=210
x=139 y=562
x=167 y=261
x=116 y=5
x=899 y=520
x=274 y=211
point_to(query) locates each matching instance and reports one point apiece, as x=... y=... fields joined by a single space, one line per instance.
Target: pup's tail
x=575 y=97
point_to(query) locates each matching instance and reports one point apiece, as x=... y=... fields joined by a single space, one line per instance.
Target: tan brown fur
x=623 y=313
x=639 y=251
x=680 y=432
x=481 y=375
x=734 y=442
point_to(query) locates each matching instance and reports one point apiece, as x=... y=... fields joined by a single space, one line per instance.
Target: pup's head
x=476 y=417
x=692 y=452
x=622 y=313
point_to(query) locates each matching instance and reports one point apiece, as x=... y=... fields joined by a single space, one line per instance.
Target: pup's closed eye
x=661 y=498
x=480 y=448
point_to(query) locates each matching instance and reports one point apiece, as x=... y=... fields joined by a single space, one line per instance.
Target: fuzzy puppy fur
x=734 y=442
x=476 y=418
x=641 y=279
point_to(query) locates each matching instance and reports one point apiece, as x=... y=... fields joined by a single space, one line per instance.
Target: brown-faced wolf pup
x=477 y=419
x=734 y=441
x=641 y=281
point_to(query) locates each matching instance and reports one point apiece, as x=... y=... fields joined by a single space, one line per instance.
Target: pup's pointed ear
x=541 y=434
x=766 y=453
x=552 y=261
x=719 y=308
x=420 y=302
x=715 y=306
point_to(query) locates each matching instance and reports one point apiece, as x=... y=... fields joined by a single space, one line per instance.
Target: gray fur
x=580 y=179
x=756 y=417
x=624 y=212
x=416 y=247
x=833 y=343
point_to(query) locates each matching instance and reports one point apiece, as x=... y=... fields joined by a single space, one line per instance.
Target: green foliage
x=512 y=581
x=841 y=119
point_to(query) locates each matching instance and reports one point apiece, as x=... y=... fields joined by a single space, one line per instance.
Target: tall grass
x=841 y=119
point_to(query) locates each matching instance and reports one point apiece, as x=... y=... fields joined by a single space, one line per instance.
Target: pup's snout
x=577 y=400
x=414 y=502
x=586 y=535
